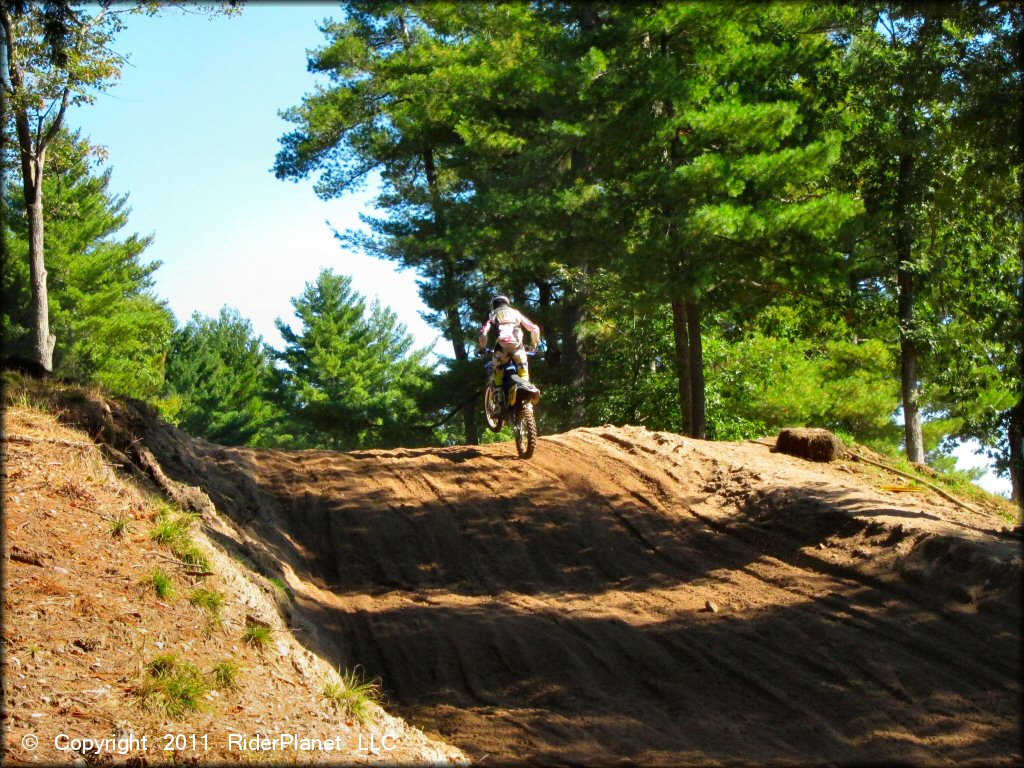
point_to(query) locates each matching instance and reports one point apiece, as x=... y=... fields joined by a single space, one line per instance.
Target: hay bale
x=813 y=444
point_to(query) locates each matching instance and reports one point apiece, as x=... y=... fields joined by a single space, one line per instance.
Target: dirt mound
x=559 y=610
x=85 y=628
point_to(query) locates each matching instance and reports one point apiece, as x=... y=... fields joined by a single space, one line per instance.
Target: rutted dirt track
x=557 y=611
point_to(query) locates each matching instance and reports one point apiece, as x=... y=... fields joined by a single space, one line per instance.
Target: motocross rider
x=509 y=323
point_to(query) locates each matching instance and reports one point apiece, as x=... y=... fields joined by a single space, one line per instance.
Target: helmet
x=499 y=301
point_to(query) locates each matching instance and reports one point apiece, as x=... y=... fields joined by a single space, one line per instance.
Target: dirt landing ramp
x=557 y=611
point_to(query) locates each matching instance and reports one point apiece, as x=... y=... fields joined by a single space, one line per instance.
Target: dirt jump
x=639 y=597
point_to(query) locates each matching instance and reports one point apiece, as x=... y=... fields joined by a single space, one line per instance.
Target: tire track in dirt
x=658 y=488
x=555 y=610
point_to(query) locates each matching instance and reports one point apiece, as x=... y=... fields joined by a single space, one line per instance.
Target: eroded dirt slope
x=631 y=595
x=83 y=627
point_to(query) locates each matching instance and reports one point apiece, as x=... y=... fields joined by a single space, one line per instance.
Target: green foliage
x=353 y=695
x=839 y=385
x=162 y=583
x=924 y=100
x=172 y=687
x=210 y=601
x=113 y=330
x=172 y=526
x=349 y=377
x=173 y=529
x=225 y=675
x=219 y=376
x=120 y=526
x=257 y=636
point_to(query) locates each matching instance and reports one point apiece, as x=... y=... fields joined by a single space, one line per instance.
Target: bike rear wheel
x=493 y=409
x=525 y=428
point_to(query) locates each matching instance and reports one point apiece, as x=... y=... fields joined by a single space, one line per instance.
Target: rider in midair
x=509 y=323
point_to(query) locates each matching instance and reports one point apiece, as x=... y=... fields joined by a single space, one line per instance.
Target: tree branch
x=58 y=121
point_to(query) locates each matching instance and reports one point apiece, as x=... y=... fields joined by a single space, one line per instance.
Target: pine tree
x=349 y=376
x=911 y=128
x=116 y=331
x=219 y=380
x=722 y=173
x=377 y=117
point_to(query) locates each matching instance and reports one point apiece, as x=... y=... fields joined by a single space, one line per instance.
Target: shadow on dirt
x=548 y=613
x=835 y=679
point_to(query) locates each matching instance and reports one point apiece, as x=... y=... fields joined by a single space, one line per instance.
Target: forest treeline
x=727 y=218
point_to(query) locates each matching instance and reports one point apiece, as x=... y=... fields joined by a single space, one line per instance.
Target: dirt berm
x=632 y=596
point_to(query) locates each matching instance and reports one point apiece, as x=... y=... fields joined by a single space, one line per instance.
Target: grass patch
x=172 y=526
x=210 y=601
x=352 y=694
x=173 y=529
x=120 y=526
x=162 y=583
x=280 y=586
x=172 y=687
x=955 y=481
x=257 y=636
x=243 y=561
x=19 y=395
x=225 y=675
x=191 y=553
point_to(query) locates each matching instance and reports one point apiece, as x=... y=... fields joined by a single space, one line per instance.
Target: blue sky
x=192 y=130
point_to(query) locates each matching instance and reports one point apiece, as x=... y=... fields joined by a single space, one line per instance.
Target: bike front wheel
x=492 y=409
x=525 y=428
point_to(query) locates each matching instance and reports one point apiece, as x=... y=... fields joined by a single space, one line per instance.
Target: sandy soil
x=630 y=596
x=80 y=628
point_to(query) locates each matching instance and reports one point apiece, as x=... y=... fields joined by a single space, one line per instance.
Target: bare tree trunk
x=451 y=306
x=32 y=151
x=454 y=331
x=912 y=425
x=682 y=361
x=574 y=366
x=3 y=151
x=1015 y=431
x=32 y=182
x=1016 y=440
x=696 y=362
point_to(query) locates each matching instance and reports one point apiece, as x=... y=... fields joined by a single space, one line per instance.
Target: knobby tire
x=526 y=432
x=492 y=412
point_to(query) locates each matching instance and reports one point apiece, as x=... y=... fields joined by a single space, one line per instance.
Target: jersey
x=509 y=324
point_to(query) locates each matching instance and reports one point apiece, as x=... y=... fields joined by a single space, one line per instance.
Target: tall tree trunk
x=680 y=333
x=4 y=88
x=1016 y=440
x=1015 y=434
x=910 y=389
x=574 y=365
x=33 y=159
x=454 y=331
x=43 y=341
x=572 y=359
x=453 y=322
x=3 y=157
x=698 y=406
x=32 y=164
x=912 y=423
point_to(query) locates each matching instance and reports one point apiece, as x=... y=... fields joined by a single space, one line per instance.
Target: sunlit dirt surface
x=638 y=596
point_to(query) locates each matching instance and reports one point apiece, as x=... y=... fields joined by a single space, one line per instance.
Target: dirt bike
x=513 y=403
